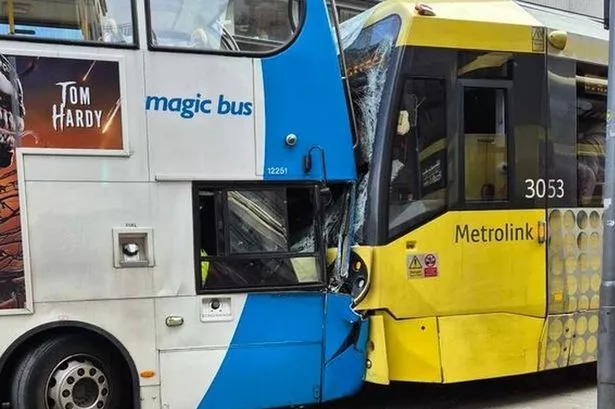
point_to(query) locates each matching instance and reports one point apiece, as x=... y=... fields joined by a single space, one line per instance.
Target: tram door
x=503 y=127
x=574 y=178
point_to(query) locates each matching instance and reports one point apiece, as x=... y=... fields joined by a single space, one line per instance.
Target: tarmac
x=570 y=388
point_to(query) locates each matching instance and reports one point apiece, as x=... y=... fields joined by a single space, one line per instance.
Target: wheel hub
x=77 y=383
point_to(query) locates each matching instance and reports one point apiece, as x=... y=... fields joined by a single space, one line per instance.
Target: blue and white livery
x=167 y=246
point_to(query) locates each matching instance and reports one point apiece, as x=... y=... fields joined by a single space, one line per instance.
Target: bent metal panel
x=55 y=103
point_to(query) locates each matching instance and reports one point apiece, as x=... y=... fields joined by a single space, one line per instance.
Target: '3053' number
x=539 y=188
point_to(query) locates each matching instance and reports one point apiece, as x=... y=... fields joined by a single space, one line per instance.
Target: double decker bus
x=478 y=216
x=164 y=168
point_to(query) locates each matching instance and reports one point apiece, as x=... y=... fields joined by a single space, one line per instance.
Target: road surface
x=572 y=388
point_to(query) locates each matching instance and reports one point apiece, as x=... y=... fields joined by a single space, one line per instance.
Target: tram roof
x=497 y=25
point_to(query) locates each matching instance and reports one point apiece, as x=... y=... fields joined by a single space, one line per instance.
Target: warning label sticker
x=538 y=39
x=415 y=267
x=422 y=265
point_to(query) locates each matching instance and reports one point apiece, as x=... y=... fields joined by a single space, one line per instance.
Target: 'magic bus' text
x=189 y=107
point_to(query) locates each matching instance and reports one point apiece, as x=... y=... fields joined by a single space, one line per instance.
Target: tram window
x=222 y=25
x=263 y=237
x=485 y=65
x=486 y=148
x=343 y=13
x=591 y=120
x=417 y=186
x=99 y=21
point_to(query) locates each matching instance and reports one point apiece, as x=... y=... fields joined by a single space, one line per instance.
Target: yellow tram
x=481 y=128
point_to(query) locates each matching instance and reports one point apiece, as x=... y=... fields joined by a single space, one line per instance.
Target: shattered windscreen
x=367 y=51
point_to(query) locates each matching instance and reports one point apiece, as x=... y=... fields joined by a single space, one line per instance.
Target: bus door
x=573 y=188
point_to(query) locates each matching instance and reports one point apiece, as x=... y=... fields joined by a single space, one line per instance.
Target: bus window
x=591 y=120
x=417 y=186
x=486 y=148
x=221 y=25
x=257 y=237
x=99 y=21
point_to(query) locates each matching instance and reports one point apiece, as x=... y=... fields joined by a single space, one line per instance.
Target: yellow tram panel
x=463 y=23
x=486 y=262
x=489 y=345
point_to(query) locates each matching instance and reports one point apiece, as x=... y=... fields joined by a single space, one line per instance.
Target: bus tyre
x=70 y=371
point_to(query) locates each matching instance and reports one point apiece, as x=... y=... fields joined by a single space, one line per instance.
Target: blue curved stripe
x=275 y=356
x=304 y=95
x=345 y=352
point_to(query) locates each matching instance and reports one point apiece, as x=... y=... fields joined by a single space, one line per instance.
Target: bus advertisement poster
x=48 y=103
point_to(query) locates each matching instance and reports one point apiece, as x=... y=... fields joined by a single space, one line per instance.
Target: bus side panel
x=311 y=105
x=61 y=239
x=274 y=357
x=345 y=348
x=130 y=321
x=268 y=353
x=215 y=141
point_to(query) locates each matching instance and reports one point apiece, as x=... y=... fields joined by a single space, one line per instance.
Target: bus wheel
x=69 y=371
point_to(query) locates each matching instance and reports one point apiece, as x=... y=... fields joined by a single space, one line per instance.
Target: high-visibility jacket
x=204 y=267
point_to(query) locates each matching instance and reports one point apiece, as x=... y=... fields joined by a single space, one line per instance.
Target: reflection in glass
x=301 y=220
x=306 y=269
x=257 y=221
x=344 y=12
x=264 y=272
x=101 y=21
x=241 y=25
x=485 y=65
x=485 y=144
x=212 y=244
x=591 y=122
x=419 y=155
x=245 y=235
x=561 y=143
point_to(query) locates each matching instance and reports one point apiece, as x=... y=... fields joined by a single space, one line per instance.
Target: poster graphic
x=48 y=103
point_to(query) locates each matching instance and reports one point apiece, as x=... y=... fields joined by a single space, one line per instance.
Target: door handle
x=542 y=232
